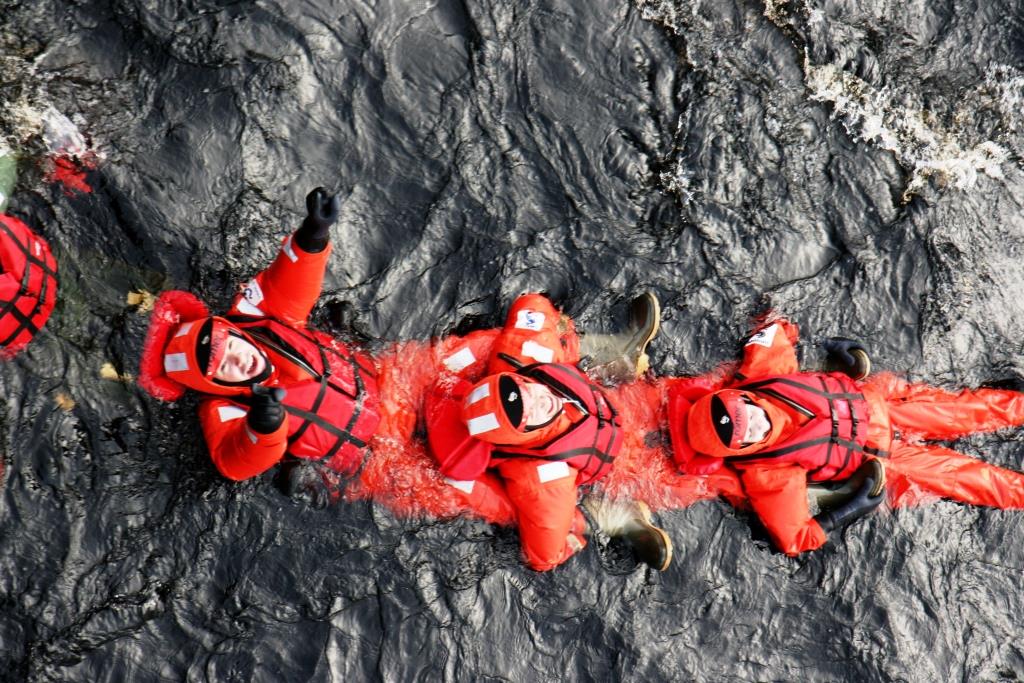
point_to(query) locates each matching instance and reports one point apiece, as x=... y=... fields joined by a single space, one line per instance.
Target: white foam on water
x=32 y=114
x=664 y=12
x=1005 y=86
x=872 y=115
x=677 y=180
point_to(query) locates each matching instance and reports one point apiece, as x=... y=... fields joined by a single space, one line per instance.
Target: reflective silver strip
x=466 y=486
x=484 y=423
x=247 y=308
x=288 y=251
x=550 y=471
x=175 y=362
x=460 y=360
x=532 y=349
x=228 y=413
x=478 y=394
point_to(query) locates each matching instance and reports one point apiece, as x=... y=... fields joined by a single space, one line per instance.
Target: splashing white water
x=1004 y=85
x=874 y=115
x=870 y=114
x=31 y=116
x=677 y=180
x=611 y=516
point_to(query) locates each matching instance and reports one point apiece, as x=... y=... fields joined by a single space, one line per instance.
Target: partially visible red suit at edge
x=823 y=426
x=329 y=410
x=531 y=476
x=28 y=285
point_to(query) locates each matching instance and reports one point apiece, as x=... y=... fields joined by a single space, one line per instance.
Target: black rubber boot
x=650 y=544
x=860 y=369
x=830 y=496
x=623 y=357
x=630 y=523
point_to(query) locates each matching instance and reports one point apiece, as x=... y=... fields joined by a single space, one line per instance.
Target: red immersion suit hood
x=717 y=423
x=184 y=346
x=493 y=412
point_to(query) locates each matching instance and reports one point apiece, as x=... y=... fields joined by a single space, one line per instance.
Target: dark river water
x=856 y=165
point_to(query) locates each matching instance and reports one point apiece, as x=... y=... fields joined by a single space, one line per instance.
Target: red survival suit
x=405 y=477
x=825 y=424
x=535 y=482
x=332 y=396
x=28 y=284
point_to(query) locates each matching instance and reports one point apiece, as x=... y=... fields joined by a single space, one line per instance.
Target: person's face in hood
x=540 y=405
x=758 y=424
x=732 y=422
x=241 y=361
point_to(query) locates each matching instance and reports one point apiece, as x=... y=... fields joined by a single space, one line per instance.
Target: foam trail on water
x=31 y=116
x=921 y=145
x=870 y=114
x=678 y=181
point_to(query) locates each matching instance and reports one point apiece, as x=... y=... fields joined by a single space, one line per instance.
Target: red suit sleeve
x=771 y=350
x=458 y=454
x=535 y=332
x=465 y=357
x=288 y=288
x=237 y=451
x=779 y=497
x=681 y=395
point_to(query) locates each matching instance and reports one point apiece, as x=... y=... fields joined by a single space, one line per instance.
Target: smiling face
x=540 y=405
x=242 y=361
x=758 y=424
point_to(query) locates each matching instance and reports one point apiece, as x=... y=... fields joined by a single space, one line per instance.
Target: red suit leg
x=546 y=512
x=915 y=471
x=485 y=497
x=928 y=412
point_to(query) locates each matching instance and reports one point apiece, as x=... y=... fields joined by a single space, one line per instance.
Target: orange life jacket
x=831 y=444
x=591 y=442
x=28 y=284
x=334 y=413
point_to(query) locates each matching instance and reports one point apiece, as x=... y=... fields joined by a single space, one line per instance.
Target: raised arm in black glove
x=322 y=212
x=858 y=506
x=847 y=356
x=266 y=412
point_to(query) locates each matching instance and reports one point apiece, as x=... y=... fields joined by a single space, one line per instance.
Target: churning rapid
x=856 y=166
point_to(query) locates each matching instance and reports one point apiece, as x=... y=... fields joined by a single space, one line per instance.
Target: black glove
x=847 y=356
x=266 y=412
x=858 y=506
x=322 y=212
